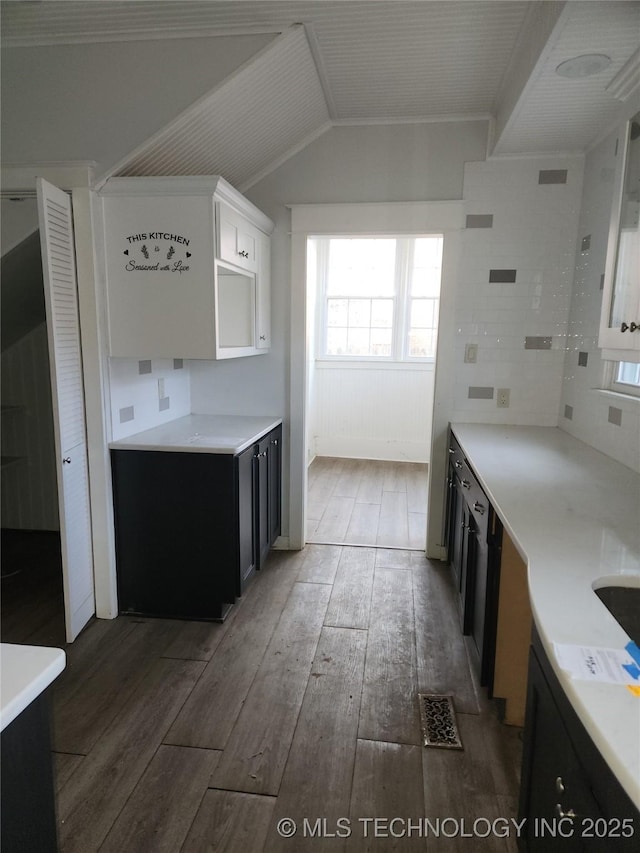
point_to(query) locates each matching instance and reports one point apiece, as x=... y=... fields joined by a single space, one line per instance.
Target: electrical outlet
x=160 y=389
x=471 y=353
x=502 y=398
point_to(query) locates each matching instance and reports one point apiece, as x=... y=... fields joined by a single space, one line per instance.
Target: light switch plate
x=471 y=353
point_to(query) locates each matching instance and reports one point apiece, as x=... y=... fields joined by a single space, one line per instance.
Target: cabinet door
x=262 y=498
x=620 y=319
x=237 y=239
x=263 y=296
x=275 y=483
x=555 y=794
x=246 y=484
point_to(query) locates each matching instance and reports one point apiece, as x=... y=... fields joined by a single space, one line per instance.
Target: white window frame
x=405 y=244
x=616 y=385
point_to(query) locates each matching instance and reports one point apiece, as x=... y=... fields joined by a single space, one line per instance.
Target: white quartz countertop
x=25 y=671
x=201 y=434
x=574 y=515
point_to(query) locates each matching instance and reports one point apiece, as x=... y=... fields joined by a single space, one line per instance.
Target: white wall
x=584 y=412
x=372 y=412
x=100 y=101
x=534 y=233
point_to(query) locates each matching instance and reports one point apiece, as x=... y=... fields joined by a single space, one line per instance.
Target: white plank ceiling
x=356 y=61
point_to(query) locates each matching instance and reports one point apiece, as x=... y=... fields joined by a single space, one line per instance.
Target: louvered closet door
x=63 y=330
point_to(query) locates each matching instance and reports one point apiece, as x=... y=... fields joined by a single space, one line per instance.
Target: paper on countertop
x=593 y=663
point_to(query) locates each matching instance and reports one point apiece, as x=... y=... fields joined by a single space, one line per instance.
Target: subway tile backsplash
x=135 y=403
x=514 y=288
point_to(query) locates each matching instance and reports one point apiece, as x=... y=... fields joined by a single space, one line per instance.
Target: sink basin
x=623 y=602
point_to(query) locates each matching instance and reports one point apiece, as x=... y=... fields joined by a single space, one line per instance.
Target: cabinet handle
x=634 y=326
x=559 y=785
x=465 y=484
x=562 y=813
x=263 y=337
x=458 y=463
x=66 y=460
x=243 y=253
x=479 y=508
x=275 y=441
x=451 y=450
x=624 y=327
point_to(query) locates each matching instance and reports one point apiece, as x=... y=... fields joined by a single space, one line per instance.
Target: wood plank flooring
x=367 y=502
x=185 y=737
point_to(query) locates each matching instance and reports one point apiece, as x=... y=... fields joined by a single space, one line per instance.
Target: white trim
x=309 y=220
x=616 y=395
x=19 y=179
x=358 y=363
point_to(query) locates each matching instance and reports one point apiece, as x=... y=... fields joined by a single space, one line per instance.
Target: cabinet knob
x=634 y=326
x=624 y=326
x=466 y=484
x=451 y=450
x=66 y=460
x=243 y=253
x=263 y=337
x=458 y=463
x=479 y=508
x=559 y=785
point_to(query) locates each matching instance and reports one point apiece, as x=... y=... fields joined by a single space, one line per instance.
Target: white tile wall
x=535 y=229
x=590 y=416
x=131 y=389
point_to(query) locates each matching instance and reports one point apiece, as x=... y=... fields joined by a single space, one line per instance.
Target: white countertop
x=574 y=515
x=201 y=434
x=25 y=671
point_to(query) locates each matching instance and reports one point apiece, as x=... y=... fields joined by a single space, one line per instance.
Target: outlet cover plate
x=502 y=398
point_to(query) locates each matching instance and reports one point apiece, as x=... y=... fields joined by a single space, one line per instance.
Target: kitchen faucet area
x=320 y=426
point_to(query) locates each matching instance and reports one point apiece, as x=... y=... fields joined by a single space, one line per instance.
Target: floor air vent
x=438 y=720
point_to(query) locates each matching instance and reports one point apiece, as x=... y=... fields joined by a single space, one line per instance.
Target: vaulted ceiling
x=359 y=62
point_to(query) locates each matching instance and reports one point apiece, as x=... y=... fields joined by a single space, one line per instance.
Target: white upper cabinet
x=620 y=319
x=187 y=269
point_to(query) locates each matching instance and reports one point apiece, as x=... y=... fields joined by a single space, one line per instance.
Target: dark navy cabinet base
x=28 y=800
x=189 y=527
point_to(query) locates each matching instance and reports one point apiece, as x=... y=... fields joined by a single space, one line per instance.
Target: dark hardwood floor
x=367 y=502
x=301 y=707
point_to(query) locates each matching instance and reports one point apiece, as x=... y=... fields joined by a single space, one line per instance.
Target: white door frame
x=446 y=217
x=19 y=180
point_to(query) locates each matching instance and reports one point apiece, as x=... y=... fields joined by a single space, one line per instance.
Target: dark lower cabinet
x=192 y=528
x=28 y=800
x=569 y=798
x=474 y=538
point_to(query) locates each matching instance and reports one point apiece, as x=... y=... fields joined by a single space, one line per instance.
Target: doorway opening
x=372 y=320
x=32 y=590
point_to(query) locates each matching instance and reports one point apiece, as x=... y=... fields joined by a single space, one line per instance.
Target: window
x=379 y=297
x=626 y=378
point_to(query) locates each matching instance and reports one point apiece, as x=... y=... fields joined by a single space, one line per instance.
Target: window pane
x=336 y=341
x=422 y=343
x=422 y=313
x=381 y=342
x=359 y=312
x=382 y=313
x=358 y=342
x=337 y=312
x=361 y=267
x=629 y=373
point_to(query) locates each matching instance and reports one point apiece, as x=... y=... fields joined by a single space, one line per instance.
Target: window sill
x=617 y=396
x=362 y=364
